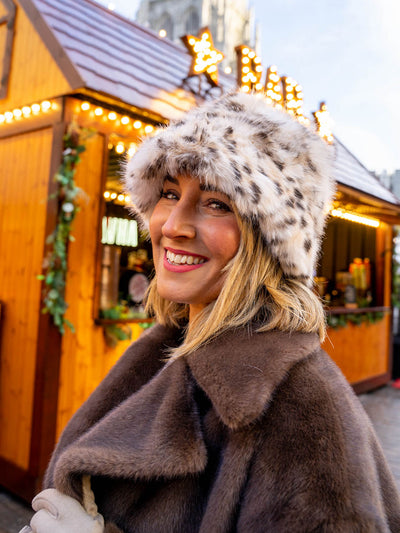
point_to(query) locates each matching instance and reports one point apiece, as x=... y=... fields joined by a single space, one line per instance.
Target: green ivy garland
x=342 y=320
x=55 y=262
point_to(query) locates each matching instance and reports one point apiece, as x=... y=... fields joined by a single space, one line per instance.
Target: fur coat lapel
x=156 y=431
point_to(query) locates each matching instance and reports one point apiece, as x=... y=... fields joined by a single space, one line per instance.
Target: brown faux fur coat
x=256 y=432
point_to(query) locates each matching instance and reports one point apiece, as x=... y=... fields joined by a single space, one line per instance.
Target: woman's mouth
x=183 y=259
x=180 y=261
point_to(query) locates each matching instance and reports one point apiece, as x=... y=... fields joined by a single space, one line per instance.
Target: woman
x=226 y=416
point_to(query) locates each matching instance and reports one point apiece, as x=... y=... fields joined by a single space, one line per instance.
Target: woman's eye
x=219 y=205
x=169 y=195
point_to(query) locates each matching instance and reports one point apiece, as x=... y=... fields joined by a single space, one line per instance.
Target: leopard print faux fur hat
x=276 y=171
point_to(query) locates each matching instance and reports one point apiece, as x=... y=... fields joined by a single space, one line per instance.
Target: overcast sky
x=345 y=52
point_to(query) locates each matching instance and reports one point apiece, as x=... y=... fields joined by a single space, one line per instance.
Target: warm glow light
x=85 y=106
x=2 y=119
x=113 y=195
x=46 y=105
x=107 y=194
x=127 y=199
x=98 y=111
x=125 y=120
x=148 y=128
x=120 y=148
x=121 y=197
x=137 y=124
x=245 y=51
x=112 y=115
x=8 y=115
x=353 y=217
x=17 y=113
x=110 y=146
x=227 y=70
x=111 y=6
x=26 y=110
x=35 y=108
x=162 y=33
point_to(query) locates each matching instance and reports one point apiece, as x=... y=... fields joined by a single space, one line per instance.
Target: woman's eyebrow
x=171 y=179
x=206 y=187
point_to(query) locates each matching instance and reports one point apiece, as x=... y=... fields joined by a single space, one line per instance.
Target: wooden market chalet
x=76 y=66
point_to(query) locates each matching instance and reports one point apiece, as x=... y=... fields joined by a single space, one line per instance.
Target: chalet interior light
x=205 y=57
x=119 y=198
x=355 y=217
x=119 y=231
x=26 y=111
x=324 y=123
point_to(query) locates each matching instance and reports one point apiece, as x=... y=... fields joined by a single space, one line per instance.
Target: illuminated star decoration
x=324 y=123
x=205 y=56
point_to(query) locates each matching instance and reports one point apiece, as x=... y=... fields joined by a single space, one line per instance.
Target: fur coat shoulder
x=255 y=432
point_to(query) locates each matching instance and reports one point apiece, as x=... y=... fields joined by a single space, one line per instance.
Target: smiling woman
x=226 y=416
x=194 y=234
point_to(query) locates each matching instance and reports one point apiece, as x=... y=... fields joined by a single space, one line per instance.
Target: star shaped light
x=205 y=56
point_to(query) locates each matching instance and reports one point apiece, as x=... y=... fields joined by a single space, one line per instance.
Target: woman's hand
x=58 y=513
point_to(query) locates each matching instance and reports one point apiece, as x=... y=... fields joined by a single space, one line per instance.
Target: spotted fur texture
x=277 y=172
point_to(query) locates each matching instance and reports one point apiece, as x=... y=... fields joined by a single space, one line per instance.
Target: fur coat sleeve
x=254 y=432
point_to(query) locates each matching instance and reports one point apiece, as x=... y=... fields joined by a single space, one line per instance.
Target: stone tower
x=231 y=22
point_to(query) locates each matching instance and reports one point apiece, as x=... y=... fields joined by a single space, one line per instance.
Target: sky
x=343 y=52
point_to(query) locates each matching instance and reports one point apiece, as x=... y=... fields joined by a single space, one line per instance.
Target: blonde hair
x=255 y=288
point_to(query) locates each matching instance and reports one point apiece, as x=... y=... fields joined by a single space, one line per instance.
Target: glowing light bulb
x=137 y=124
x=26 y=110
x=112 y=115
x=245 y=51
x=8 y=116
x=120 y=148
x=148 y=128
x=107 y=194
x=46 y=105
x=35 y=108
x=162 y=33
x=2 y=119
x=125 y=120
x=17 y=113
x=121 y=197
x=113 y=195
x=85 y=106
x=98 y=111
x=227 y=70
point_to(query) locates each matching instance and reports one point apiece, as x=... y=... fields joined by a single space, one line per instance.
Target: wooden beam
x=9 y=20
x=48 y=354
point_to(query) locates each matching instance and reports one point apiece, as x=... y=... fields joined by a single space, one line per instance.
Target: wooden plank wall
x=85 y=358
x=361 y=352
x=34 y=75
x=24 y=174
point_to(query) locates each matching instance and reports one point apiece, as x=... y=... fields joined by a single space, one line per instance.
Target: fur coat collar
x=156 y=431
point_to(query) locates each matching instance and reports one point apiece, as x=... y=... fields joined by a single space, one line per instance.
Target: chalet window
x=126 y=255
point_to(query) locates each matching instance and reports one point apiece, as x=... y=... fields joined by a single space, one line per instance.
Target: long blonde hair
x=254 y=289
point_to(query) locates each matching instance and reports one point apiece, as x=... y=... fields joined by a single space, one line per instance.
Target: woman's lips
x=182 y=261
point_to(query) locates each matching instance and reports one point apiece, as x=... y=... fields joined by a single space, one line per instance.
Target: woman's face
x=194 y=233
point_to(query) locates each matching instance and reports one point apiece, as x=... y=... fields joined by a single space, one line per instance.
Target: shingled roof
x=102 y=51
x=115 y=56
x=351 y=172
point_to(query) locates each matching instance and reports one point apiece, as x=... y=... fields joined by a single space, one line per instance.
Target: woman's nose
x=180 y=223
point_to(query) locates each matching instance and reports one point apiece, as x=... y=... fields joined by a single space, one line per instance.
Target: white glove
x=58 y=513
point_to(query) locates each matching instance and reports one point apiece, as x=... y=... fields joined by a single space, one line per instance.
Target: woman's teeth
x=180 y=259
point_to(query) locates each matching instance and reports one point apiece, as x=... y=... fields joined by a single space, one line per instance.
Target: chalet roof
x=349 y=171
x=102 y=51
x=115 y=56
